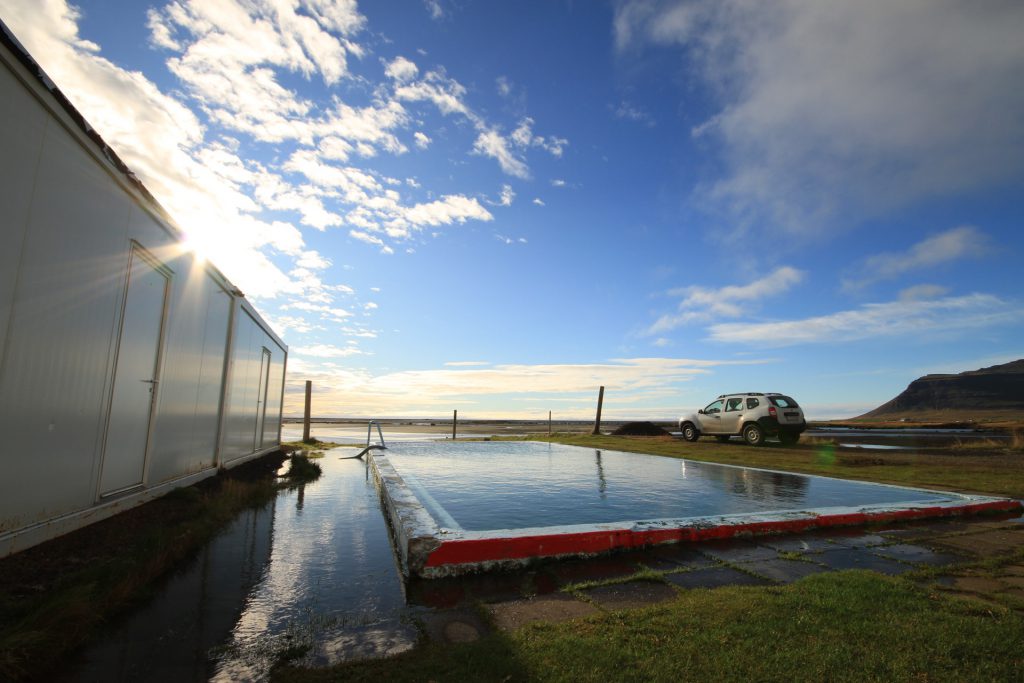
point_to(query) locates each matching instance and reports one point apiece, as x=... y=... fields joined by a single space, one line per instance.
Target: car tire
x=753 y=434
x=788 y=438
x=690 y=432
x=723 y=439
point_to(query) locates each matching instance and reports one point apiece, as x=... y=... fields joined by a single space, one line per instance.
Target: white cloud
x=558 y=182
x=507 y=195
x=465 y=363
x=538 y=201
x=435 y=9
x=951 y=245
x=503 y=85
x=831 y=112
x=415 y=392
x=326 y=351
x=630 y=112
x=702 y=303
x=422 y=139
x=923 y=292
x=447 y=210
x=492 y=144
x=921 y=319
x=401 y=69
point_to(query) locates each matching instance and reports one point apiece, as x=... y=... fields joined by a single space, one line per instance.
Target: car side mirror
x=700 y=412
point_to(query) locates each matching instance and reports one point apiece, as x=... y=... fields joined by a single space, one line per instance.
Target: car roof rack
x=747 y=393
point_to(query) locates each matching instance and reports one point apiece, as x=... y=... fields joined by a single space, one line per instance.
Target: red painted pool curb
x=471 y=551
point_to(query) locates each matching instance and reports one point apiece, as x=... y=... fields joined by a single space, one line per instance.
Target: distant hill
x=988 y=392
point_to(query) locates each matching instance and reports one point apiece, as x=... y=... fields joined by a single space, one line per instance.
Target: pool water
x=482 y=486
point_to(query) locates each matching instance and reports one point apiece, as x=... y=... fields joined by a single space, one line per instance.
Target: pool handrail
x=369 y=447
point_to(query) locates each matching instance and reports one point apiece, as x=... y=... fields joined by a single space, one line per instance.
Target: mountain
x=997 y=390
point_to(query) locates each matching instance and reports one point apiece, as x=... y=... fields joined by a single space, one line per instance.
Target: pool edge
x=428 y=550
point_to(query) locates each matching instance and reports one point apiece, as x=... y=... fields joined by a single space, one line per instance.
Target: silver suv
x=753 y=416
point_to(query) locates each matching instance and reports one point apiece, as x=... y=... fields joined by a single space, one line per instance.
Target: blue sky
x=498 y=207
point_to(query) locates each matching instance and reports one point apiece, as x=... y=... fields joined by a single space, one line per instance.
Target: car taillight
x=772 y=411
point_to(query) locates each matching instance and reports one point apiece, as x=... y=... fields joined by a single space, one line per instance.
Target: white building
x=128 y=367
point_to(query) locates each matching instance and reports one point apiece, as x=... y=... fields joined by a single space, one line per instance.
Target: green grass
x=847 y=626
x=995 y=472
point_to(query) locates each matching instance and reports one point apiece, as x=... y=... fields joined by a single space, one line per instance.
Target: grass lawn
x=848 y=626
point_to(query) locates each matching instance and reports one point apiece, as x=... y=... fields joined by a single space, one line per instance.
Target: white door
x=135 y=378
x=261 y=398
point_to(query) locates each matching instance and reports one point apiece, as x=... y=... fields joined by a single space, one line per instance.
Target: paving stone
x=860 y=558
x=916 y=554
x=509 y=616
x=674 y=558
x=454 y=591
x=1013 y=581
x=799 y=544
x=736 y=551
x=977 y=584
x=987 y=543
x=911 y=534
x=784 y=571
x=598 y=569
x=859 y=540
x=454 y=626
x=713 y=577
x=945 y=581
x=630 y=595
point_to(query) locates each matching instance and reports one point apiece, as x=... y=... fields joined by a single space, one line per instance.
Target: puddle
x=312 y=574
x=878 y=446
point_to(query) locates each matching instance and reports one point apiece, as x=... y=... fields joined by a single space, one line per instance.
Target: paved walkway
x=560 y=591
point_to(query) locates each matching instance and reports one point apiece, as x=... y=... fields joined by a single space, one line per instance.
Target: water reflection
x=194 y=611
x=602 y=483
x=515 y=485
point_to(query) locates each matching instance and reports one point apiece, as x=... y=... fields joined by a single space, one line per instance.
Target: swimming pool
x=466 y=506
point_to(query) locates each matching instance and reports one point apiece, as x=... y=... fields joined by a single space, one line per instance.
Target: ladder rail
x=369 y=447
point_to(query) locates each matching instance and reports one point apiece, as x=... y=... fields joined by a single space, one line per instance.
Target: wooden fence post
x=455 y=422
x=600 y=402
x=309 y=404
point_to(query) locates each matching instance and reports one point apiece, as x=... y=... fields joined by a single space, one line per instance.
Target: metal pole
x=455 y=422
x=600 y=402
x=549 y=423
x=309 y=404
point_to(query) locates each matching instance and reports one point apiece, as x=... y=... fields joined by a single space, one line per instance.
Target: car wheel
x=690 y=432
x=723 y=439
x=788 y=438
x=753 y=434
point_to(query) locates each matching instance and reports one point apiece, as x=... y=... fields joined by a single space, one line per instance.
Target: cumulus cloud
x=921 y=319
x=401 y=69
x=422 y=140
x=831 y=112
x=951 y=245
x=702 y=303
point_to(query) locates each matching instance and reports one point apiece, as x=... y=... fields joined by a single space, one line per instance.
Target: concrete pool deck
x=430 y=544
x=562 y=591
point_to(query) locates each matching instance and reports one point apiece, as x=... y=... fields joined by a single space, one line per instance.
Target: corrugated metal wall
x=77 y=237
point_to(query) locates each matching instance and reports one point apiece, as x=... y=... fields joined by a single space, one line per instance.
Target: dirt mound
x=640 y=429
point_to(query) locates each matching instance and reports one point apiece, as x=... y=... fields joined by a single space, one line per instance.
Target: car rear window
x=783 y=402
